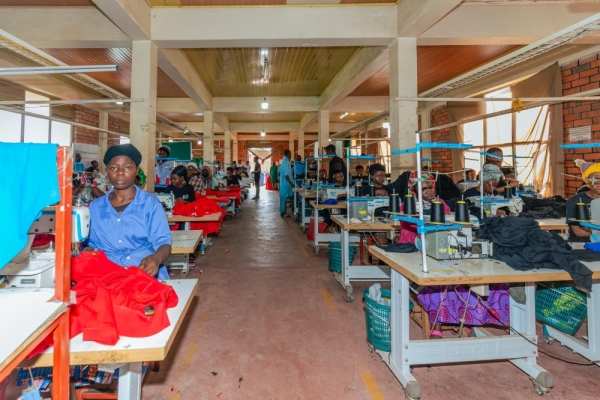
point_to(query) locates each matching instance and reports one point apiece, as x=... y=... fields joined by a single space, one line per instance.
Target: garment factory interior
x=319 y=199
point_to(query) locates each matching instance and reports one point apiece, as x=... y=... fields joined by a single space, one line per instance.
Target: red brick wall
x=277 y=148
x=309 y=151
x=242 y=151
x=579 y=76
x=439 y=116
x=114 y=124
x=86 y=116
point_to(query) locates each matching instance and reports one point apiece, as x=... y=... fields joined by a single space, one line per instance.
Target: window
x=523 y=134
x=11 y=126
x=36 y=130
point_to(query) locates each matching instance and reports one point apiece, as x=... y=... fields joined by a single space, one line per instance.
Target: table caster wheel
x=548 y=340
x=370 y=347
x=317 y=249
x=539 y=389
x=349 y=298
x=304 y=229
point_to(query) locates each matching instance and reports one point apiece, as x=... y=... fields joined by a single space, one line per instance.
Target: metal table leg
x=130 y=381
x=343 y=277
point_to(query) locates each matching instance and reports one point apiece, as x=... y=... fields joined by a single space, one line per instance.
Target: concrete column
x=339 y=148
x=301 y=144
x=425 y=137
x=403 y=114
x=102 y=139
x=291 y=146
x=209 y=140
x=227 y=147
x=235 y=155
x=323 y=117
x=142 y=122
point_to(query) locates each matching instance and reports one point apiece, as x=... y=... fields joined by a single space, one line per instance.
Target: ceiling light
x=199 y=114
x=119 y=102
x=264 y=52
x=66 y=69
x=386 y=124
x=264 y=104
x=170 y=140
x=330 y=140
x=199 y=141
x=343 y=115
x=262 y=134
x=186 y=131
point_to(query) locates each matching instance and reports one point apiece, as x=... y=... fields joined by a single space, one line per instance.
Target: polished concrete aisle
x=269 y=322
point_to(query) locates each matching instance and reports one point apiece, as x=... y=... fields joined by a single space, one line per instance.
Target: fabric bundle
x=198 y=208
x=523 y=245
x=218 y=193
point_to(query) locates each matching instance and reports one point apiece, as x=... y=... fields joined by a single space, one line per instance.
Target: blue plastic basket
x=561 y=306
x=335 y=256
x=378 y=321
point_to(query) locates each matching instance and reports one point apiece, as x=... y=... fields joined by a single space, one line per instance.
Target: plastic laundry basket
x=561 y=306
x=378 y=321
x=335 y=256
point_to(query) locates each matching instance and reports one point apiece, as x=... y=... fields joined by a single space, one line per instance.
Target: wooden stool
x=420 y=316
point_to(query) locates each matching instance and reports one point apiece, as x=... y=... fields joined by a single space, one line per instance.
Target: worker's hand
x=513 y=184
x=500 y=213
x=88 y=249
x=179 y=200
x=150 y=265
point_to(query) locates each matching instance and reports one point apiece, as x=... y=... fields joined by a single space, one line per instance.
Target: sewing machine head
x=491 y=204
x=466 y=185
x=167 y=200
x=367 y=207
x=333 y=192
x=36 y=268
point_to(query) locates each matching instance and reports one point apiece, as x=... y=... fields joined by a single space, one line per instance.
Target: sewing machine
x=168 y=202
x=492 y=203
x=466 y=185
x=456 y=244
x=102 y=183
x=32 y=268
x=366 y=207
x=333 y=192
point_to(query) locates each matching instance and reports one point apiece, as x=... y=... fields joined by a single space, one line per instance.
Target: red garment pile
x=42 y=239
x=202 y=206
x=232 y=192
x=113 y=301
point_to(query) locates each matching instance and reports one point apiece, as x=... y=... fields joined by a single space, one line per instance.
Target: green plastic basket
x=378 y=321
x=561 y=306
x=335 y=256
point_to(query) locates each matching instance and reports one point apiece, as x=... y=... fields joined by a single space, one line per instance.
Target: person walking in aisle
x=256 y=178
x=286 y=184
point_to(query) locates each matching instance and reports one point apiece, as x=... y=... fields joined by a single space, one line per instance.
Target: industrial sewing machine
x=168 y=202
x=33 y=268
x=333 y=192
x=456 y=244
x=466 y=185
x=492 y=203
x=367 y=207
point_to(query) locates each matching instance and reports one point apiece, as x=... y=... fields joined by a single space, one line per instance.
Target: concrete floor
x=270 y=322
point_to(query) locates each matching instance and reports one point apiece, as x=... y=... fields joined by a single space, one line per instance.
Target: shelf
x=579 y=146
x=422 y=227
x=432 y=145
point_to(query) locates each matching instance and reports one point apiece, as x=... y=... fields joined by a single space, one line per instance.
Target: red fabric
x=42 y=239
x=111 y=302
x=268 y=184
x=202 y=206
x=231 y=193
x=310 y=232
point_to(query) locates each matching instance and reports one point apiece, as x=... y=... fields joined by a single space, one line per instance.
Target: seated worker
x=470 y=175
x=490 y=175
x=360 y=173
x=162 y=168
x=78 y=165
x=502 y=183
x=183 y=191
x=230 y=179
x=338 y=177
x=244 y=172
x=92 y=168
x=590 y=173
x=378 y=178
x=193 y=178
x=208 y=181
x=323 y=176
x=236 y=173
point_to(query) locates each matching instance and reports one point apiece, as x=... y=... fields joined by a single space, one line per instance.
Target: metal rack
x=59 y=326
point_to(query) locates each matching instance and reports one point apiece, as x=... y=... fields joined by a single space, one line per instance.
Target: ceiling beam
x=177 y=105
x=365 y=104
x=276 y=104
x=267 y=126
x=131 y=16
x=363 y=64
x=270 y=137
x=371 y=25
x=416 y=16
x=307 y=119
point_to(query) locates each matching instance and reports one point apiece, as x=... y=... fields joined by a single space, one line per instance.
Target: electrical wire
x=438 y=311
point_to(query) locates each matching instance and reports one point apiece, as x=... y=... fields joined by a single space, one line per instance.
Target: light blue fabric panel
x=29 y=180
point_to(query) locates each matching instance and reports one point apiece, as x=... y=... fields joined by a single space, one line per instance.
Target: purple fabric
x=453 y=307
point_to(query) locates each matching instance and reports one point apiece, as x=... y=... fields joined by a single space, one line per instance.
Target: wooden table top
x=553 y=224
x=365 y=226
x=308 y=195
x=127 y=350
x=26 y=314
x=341 y=204
x=471 y=271
x=185 y=242
x=205 y=218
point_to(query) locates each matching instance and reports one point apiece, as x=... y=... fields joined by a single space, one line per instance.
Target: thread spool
x=394 y=203
x=357 y=189
x=508 y=194
x=410 y=207
x=462 y=212
x=582 y=213
x=437 y=213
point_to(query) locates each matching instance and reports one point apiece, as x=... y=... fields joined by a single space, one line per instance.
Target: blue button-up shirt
x=135 y=234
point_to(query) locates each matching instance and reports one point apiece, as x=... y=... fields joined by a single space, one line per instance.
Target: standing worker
x=336 y=163
x=286 y=183
x=274 y=175
x=256 y=178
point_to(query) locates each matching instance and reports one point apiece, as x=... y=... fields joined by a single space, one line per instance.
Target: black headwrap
x=128 y=150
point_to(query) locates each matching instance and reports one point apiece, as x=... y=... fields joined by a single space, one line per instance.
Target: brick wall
x=439 y=116
x=309 y=151
x=580 y=76
x=242 y=151
x=114 y=124
x=277 y=147
x=86 y=116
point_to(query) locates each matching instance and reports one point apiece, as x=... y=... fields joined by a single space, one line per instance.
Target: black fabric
x=336 y=164
x=521 y=244
x=186 y=192
x=400 y=185
x=445 y=188
x=586 y=255
x=400 y=248
x=557 y=203
x=234 y=181
x=570 y=206
x=128 y=150
x=545 y=213
x=365 y=190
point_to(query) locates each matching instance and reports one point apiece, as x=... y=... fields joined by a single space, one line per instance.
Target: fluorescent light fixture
x=262 y=134
x=199 y=114
x=66 y=69
x=119 y=102
x=199 y=141
x=264 y=104
x=170 y=140
x=386 y=124
x=186 y=131
x=330 y=140
x=343 y=115
x=264 y=52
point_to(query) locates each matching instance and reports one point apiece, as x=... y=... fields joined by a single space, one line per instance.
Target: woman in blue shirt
x=129 y=224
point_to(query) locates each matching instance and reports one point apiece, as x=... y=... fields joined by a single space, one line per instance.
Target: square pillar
x=301 y=144
x=209 y=140
x=103 y=140
x=291 y=147
x=227 y=148
x=403 y=114
x=234 y=147
x=142 y=122
x=323 y=138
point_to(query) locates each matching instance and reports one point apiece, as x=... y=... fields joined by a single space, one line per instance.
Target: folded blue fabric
x=330 y=201
x=592 y=246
